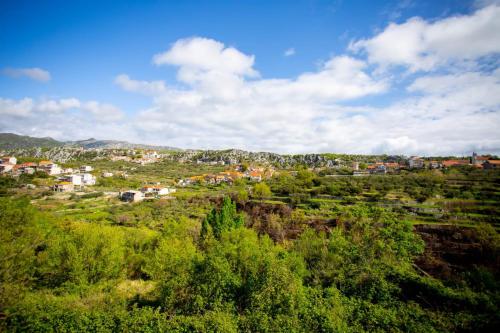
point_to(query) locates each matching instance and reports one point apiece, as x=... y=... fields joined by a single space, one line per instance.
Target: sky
x=362 y=77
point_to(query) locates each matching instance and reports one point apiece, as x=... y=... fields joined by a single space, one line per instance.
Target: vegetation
x=316 y=252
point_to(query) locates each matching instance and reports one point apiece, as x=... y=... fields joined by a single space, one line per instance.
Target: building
x=49 y=167
x=132 y=196
x=415 y=162
x=434 y=165
x=73 y=179
x=491 y=164
x=150 y=154
x=478 y=160
x=8 y=160
x=454 y=163
x=6 y=167
x=63 y=187
x=86 y=168
x=391 y=166
x=25 y=168
x=87 y=179
x=355 y=166
x=153 y=191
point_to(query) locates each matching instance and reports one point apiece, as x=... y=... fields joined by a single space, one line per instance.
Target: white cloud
x=220 y=101
x=289 y=52
x=64 y=119
x=302 y=114
x=202 y=54
x=423 y=46
x=36 y=74
x=29 y=108
x=144 y=87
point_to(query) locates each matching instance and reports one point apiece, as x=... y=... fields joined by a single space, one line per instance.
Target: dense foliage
x=220 y=276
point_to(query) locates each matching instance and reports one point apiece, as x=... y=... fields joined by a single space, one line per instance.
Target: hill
x=9 y=141
x=14 y=141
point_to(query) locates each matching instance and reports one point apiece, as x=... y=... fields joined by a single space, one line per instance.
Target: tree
x=261 y=191
x=218 y=221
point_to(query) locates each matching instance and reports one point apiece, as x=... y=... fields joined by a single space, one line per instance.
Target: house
x=391 y=165
x=151 y=155
x=67 y=170
x=63 y=187
x=491 y=164
x=132 y=196
x=355 y=166
x=434 y=165
x=86 y=168
x=478 y=160
x=415 y=162
x=8 y=160
x=156 y=190
x=25 y=168
x=254 y=175
x=453 y=163
x=107 y=174
x=73 y=179
x=6 y=167
x=377 y=168
x=49 y=167
x=87 y=179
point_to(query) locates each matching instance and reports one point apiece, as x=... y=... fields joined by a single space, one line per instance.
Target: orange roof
x=448 y=163
x=44 y=162
x=391 y=164
x=27 y=165
x=496 y=162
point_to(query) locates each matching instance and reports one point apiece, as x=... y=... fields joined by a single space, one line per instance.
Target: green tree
x=220 y=220
x=261 y=190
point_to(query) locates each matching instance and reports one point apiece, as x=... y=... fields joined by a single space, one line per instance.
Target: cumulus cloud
x=451 y=104
x=289 y=52
x=28 y=107
x=144 y=87
x=62 y=118
x=205 y=55
x=305 y=113
x=420 y=45
x=36 y=74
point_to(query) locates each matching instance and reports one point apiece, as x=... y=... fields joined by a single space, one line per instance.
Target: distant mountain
x=114 y=144
x=14 y=141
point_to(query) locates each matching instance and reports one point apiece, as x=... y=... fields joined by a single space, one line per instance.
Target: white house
x=86 y=168
x=73 y=179
x=87 y=179
x=63 y=187
x=6 y=167
x=107 y=174
x=416 y=162
x=156 y=190
x=8 y=160
x=132 y=196
x=49 y=167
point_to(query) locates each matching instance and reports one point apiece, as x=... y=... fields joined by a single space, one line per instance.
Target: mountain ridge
x=16 y=141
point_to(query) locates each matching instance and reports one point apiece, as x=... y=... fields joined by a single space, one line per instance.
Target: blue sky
x=81 y=48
